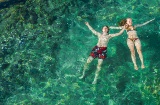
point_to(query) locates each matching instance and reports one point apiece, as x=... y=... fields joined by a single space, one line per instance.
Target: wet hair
x=122 y=22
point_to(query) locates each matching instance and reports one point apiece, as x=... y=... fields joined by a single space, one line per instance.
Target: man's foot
x=81 y=77
x=94 y=82
x=135 y=67
x=142 y=66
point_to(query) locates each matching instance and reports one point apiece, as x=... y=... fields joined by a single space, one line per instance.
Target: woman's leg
x=89 y=60
x=130 y=44
x=100 y=61
x=138 y=47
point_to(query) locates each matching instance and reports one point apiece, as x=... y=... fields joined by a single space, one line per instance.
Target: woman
x=99 y=51
x=133 y=39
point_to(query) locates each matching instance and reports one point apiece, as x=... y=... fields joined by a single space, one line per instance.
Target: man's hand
x=86 y=23
x=125 y=26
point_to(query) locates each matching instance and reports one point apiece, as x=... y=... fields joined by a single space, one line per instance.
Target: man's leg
x=89 y=60
x=100 y=61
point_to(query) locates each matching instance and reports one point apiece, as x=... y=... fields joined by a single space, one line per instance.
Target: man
x=99 y=51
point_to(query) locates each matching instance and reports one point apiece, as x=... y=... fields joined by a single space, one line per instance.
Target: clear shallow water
x=44 y=45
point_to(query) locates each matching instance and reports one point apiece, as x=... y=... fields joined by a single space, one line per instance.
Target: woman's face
x=129 y=21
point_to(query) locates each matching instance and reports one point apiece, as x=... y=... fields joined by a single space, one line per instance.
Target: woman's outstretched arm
x=139 y=25
x=93 y=31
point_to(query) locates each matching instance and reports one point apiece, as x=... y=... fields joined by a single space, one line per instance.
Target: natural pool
x=45 y=43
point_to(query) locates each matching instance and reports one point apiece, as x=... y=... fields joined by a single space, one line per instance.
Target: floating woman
x=133 y=39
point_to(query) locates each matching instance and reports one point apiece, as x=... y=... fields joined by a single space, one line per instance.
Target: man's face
x=104 y=29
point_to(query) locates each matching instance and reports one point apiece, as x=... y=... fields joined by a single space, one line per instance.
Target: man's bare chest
x=103 y=38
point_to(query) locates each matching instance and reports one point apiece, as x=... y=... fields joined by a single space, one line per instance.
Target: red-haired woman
x=133 y=39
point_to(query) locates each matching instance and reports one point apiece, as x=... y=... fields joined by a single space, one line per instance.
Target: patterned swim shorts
x=99 y=52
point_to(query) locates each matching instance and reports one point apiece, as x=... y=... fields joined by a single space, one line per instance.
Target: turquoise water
x=45 y=43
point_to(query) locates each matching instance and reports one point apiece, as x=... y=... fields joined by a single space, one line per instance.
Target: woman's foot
x=136 y=67
x=142 y=66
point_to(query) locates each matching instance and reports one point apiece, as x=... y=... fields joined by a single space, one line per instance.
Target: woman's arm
x=93 y=31
x=113 y=27
x=117 y=34
x=139 y=25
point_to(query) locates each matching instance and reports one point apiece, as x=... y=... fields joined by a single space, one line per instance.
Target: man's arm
x=139 y=25
x=93 y=31
x=117 y=34
x=113 y=27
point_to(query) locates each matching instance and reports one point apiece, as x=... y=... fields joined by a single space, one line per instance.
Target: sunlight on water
x=45 y=44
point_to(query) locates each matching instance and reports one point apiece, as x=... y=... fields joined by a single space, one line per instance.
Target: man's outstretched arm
x=114 y=27
x=117 y=34
x=90 y=28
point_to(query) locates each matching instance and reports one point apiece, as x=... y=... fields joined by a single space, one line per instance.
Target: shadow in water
x=8 y=3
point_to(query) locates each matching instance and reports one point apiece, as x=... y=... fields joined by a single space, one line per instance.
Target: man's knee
x=99 y=67
x=99 y=63
x=89 y=60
